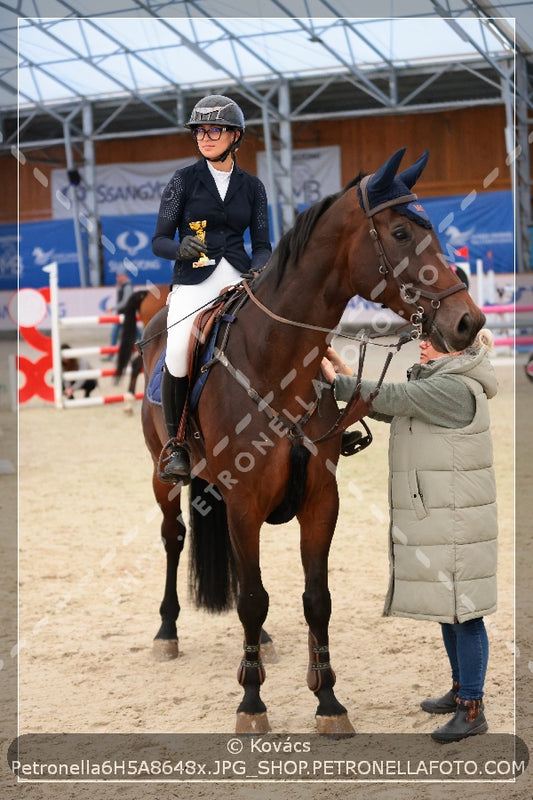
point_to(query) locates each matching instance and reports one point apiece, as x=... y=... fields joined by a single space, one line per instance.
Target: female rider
x=230 y=201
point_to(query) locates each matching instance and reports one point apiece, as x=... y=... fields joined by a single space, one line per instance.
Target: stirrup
x=167 y=472
x=354 y=441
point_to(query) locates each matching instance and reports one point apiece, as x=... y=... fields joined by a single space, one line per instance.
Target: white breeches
x=183 y=301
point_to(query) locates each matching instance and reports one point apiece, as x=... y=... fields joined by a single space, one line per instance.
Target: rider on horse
x=219 y=200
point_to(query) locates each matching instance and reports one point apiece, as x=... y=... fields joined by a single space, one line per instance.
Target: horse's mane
x=294 y=240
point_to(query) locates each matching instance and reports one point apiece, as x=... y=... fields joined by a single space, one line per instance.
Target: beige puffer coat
x=442 y=494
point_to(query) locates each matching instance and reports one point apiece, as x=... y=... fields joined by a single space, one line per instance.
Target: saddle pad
x=153 y=390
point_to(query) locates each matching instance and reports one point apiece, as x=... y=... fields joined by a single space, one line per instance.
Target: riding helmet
x=215 y=109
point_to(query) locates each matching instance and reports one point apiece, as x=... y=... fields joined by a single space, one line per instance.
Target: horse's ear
x=384 y=176
x=410 y=175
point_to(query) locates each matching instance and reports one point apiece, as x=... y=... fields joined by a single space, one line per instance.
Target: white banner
x=120 y=188
x=316 y=172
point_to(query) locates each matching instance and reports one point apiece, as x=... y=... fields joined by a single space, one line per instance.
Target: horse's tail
x=212 y=574
x=129 y=332
x=294 y=494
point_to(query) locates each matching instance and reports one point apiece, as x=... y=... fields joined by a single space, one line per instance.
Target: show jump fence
x=31 y=311
x=60 y=323
x=505 y=319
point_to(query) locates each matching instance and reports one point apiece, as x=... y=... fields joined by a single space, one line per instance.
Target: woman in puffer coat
x=443 y=520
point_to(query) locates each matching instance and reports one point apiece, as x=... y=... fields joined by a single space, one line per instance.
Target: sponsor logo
x=132 y=242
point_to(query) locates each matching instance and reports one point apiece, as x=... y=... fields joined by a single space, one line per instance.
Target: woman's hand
x=332 y=365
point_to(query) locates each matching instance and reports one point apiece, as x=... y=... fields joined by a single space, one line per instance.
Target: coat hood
x=476 y=366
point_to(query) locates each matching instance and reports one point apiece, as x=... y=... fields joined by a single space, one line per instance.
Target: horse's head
x=415 y=279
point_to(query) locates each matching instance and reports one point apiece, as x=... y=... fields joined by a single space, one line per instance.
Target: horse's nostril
x=465 y=325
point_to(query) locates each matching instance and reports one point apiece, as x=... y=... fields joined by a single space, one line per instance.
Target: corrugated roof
x=143 y=63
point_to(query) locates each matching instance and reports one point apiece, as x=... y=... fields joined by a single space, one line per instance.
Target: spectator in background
x=124 y=292
x=85 y=385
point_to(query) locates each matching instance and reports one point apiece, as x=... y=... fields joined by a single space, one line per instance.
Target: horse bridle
x=385 y=268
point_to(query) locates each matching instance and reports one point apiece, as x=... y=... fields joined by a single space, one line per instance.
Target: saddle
x=202 y=345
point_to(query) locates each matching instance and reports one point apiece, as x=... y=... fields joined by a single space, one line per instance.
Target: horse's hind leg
x=317 y=526
x=165 y=644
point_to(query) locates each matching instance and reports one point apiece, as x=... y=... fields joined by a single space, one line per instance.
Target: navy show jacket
x=192 y=195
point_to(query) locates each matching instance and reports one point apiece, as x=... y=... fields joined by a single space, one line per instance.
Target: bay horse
x=265 y=435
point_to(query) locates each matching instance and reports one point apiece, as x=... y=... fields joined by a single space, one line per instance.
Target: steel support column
x=75 y=205
x=91 y=221
x=523 y=180
x=285 y=141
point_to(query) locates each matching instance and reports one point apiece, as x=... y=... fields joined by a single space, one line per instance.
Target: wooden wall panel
x=465 y=147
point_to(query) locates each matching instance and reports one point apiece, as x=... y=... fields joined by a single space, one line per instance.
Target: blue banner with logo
x=8 y=257
x=40 y=243
x=127 y=247
x=472 y=227
x=475 y=226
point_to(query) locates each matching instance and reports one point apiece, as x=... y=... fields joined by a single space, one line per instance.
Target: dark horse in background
x=266 y=434
x=141 y=307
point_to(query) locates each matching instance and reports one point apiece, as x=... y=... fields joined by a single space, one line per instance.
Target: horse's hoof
x=165 y=649
x=338 y=725
x=268 y=654
x=252 y=723
x=128 y=403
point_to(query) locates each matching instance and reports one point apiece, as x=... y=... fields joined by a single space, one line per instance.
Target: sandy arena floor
x=91 y=573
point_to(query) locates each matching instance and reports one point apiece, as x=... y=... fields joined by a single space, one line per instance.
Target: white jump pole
x=479 y=283
x=56 y=341
x=76 y=352
x=101 y=401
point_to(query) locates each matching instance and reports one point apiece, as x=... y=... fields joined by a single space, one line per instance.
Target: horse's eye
x=401 y=234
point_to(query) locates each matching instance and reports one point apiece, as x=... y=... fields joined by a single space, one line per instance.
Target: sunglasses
x=213 y=134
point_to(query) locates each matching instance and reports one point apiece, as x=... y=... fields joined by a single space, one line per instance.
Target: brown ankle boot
x=442 y=705
x=469 y=720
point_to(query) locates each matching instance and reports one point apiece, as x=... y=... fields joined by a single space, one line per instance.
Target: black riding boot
x=175 y=464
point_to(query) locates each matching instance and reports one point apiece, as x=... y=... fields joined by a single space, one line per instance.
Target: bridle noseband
x=385 y=268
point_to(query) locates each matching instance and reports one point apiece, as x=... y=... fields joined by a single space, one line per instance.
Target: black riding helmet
x=215 y=109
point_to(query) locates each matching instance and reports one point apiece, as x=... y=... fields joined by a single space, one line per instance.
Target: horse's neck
x=310 y=303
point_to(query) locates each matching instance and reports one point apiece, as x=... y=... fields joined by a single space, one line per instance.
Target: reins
x=284 y=320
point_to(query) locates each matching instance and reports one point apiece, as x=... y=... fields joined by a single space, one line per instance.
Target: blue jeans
x=467 y=646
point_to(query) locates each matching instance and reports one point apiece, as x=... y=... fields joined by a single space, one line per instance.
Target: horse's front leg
x=317 y=526
x=165 y=645
x=252 y=607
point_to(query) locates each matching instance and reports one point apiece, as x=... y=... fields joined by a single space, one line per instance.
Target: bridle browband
x=385 y=267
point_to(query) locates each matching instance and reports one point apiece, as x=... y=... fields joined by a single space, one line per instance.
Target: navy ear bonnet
x=385 y=189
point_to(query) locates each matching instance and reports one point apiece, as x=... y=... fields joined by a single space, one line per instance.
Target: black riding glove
x=190 y=247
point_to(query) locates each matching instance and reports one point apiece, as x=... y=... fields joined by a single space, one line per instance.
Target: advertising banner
x=128 y=247
x=476 y=226
x=43 y=242
x=316 y=172
x=120 y=188
x=8 y=256
x=472 y=228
